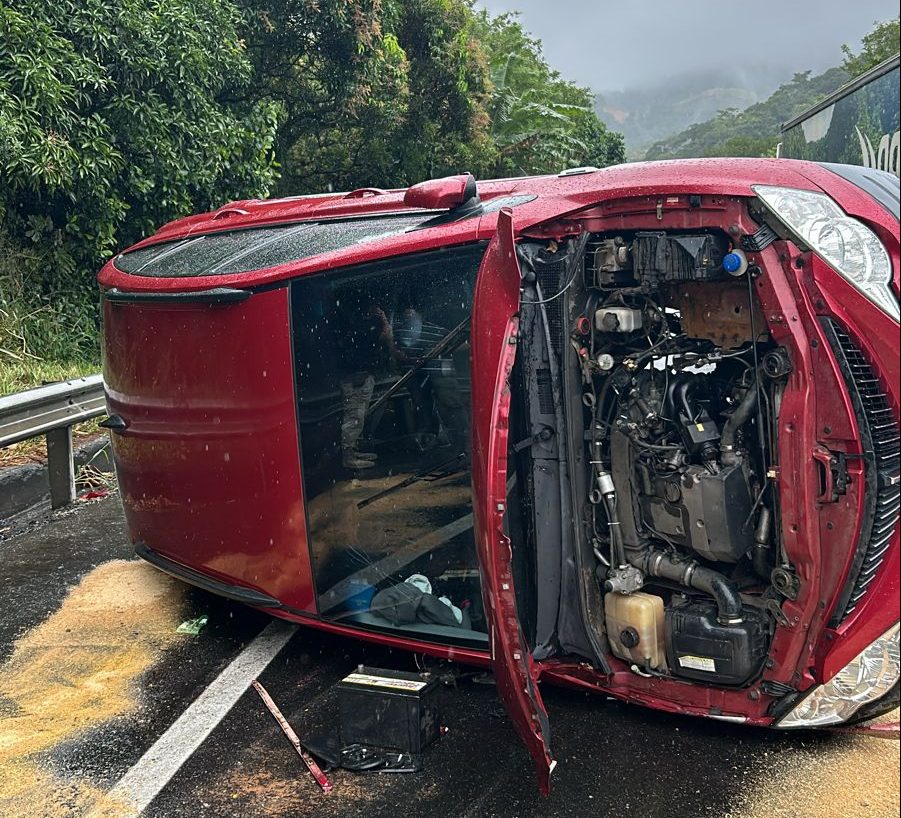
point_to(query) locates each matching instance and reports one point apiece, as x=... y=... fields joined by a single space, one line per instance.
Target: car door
x=494 y=335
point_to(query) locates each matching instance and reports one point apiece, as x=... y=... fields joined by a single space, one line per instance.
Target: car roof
x=376 y=201
x=549 y=198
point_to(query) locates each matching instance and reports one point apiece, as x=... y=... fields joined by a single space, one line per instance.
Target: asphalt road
x=93 y=673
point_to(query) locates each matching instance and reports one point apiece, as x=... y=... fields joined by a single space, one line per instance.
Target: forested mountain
x=755 y=130
x=646 y=115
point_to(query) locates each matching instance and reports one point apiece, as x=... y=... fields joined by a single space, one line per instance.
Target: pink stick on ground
x=891 y=730
x=312 y=766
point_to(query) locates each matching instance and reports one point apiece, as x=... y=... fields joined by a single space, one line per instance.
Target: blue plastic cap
x=732 y=262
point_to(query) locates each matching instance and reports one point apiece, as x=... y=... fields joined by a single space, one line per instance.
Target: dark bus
x=856 y=125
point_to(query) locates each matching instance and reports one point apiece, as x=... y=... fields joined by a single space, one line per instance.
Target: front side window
x=382 y=362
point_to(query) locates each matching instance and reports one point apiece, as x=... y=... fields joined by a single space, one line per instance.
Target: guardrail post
x=51 y=411
x=60 y=466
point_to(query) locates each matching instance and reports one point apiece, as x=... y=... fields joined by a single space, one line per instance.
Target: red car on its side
x=633 y=430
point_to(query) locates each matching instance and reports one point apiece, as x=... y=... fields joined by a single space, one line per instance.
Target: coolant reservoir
x=635 y=628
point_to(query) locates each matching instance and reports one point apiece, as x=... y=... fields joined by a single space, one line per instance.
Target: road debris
x=75 y=671
x=312 y=766
x=192 y=626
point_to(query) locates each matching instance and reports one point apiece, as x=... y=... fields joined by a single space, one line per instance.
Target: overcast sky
x=615 y=44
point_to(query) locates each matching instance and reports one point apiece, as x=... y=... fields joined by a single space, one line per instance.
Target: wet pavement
x=98 y=674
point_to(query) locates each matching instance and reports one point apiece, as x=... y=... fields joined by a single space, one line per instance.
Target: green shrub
x=111 y=123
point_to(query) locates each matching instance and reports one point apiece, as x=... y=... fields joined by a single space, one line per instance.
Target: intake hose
x=682 y=396
x=737 y=419
x=688 y=573
x=760 y=553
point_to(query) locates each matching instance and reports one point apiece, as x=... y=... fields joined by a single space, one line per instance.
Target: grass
x=27 y=373
x=45 y=335
x=43 y=339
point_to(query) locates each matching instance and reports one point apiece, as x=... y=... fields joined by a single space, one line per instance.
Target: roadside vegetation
x=755 y=131
x=118 y=117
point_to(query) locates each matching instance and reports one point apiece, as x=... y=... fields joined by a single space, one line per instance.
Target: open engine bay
x=641 y=444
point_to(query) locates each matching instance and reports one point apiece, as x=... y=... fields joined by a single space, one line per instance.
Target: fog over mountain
x=658 y=66
x=614 y=46
x=644 y=115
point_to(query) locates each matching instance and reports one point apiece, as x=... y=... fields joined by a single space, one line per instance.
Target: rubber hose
x=760 y=553
x=616 y=534
x=692 y=575
x=737 y=419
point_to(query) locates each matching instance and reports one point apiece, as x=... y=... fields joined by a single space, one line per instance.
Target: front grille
x=880 y=439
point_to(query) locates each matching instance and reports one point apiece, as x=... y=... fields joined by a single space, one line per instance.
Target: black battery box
x=392 y=709
x=662 y=256
x=699 y=647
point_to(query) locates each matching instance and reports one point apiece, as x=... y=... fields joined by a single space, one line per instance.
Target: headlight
x=867 y=677
x=846 y=244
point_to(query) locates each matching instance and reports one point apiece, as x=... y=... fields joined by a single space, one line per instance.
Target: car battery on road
x=388 y=708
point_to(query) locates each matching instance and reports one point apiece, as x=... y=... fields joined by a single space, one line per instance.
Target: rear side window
x=238 y=251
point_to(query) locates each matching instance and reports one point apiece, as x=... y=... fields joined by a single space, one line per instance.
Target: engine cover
x=702 y=511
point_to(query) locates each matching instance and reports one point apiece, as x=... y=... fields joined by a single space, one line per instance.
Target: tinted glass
x=860 y=128
x=238 y=251
x=382 y=358
x=507 y=201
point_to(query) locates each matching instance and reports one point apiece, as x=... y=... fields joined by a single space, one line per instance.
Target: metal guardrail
x=51 y=410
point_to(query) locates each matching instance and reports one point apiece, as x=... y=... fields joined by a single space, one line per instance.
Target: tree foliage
x=880 y=44
x=390 y=92
x=411 y=106
x=110 y=125
x=754 y=131
x=118 y=116
x=539 y=121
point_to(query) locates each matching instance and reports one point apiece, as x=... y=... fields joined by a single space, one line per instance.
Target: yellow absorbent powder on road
x=75 y=671
x=849 y=776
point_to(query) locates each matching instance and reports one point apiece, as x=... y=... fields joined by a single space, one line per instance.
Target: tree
x=880 y=44
x=111 y=119
x=390 y=92
x=111 y=124
x=379 y=92
x=540 y=122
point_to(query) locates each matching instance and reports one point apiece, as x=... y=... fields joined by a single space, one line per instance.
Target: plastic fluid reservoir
x=636 y=628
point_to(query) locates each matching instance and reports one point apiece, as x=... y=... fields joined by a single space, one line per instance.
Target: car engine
x=680 y=386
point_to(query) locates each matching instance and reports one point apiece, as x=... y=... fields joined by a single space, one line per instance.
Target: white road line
x=143 y=782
